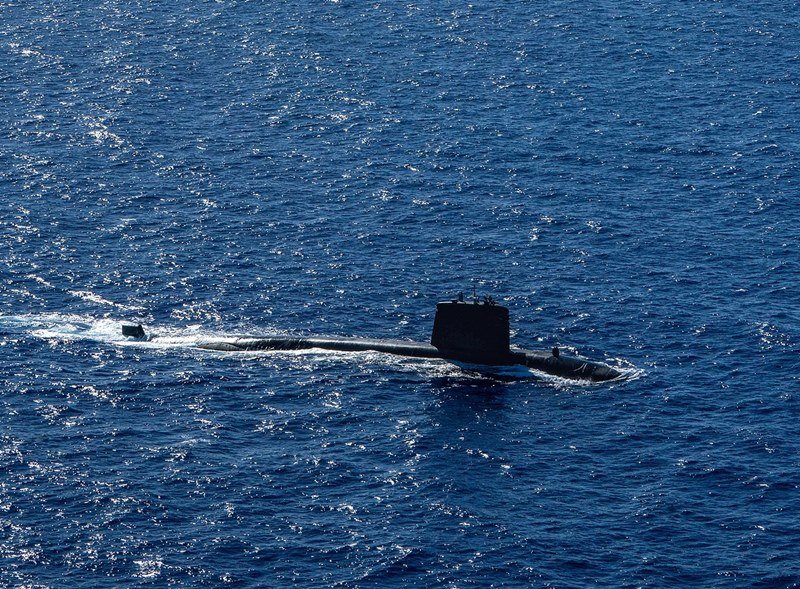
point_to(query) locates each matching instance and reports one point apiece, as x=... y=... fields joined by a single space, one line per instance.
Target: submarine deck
x=254 y=344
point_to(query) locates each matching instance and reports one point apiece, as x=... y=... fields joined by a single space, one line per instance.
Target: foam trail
x=63 y=326
x=73 y=327
x=92 y=297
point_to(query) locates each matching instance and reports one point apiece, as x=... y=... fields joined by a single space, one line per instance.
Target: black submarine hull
x=562 y=366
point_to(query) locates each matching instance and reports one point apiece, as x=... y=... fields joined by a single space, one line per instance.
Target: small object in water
x=136 y=331
x=556 y=353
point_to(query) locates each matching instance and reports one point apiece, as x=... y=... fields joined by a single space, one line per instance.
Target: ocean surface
x=622 y=175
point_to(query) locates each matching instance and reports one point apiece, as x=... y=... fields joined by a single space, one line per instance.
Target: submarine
x=472 y=332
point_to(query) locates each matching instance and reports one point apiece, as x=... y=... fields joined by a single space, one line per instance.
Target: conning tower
x=472 y=331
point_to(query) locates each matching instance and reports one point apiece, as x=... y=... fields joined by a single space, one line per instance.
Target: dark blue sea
x=623 y=176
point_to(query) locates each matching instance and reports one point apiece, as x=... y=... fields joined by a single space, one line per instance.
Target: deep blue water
x=623 y=176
